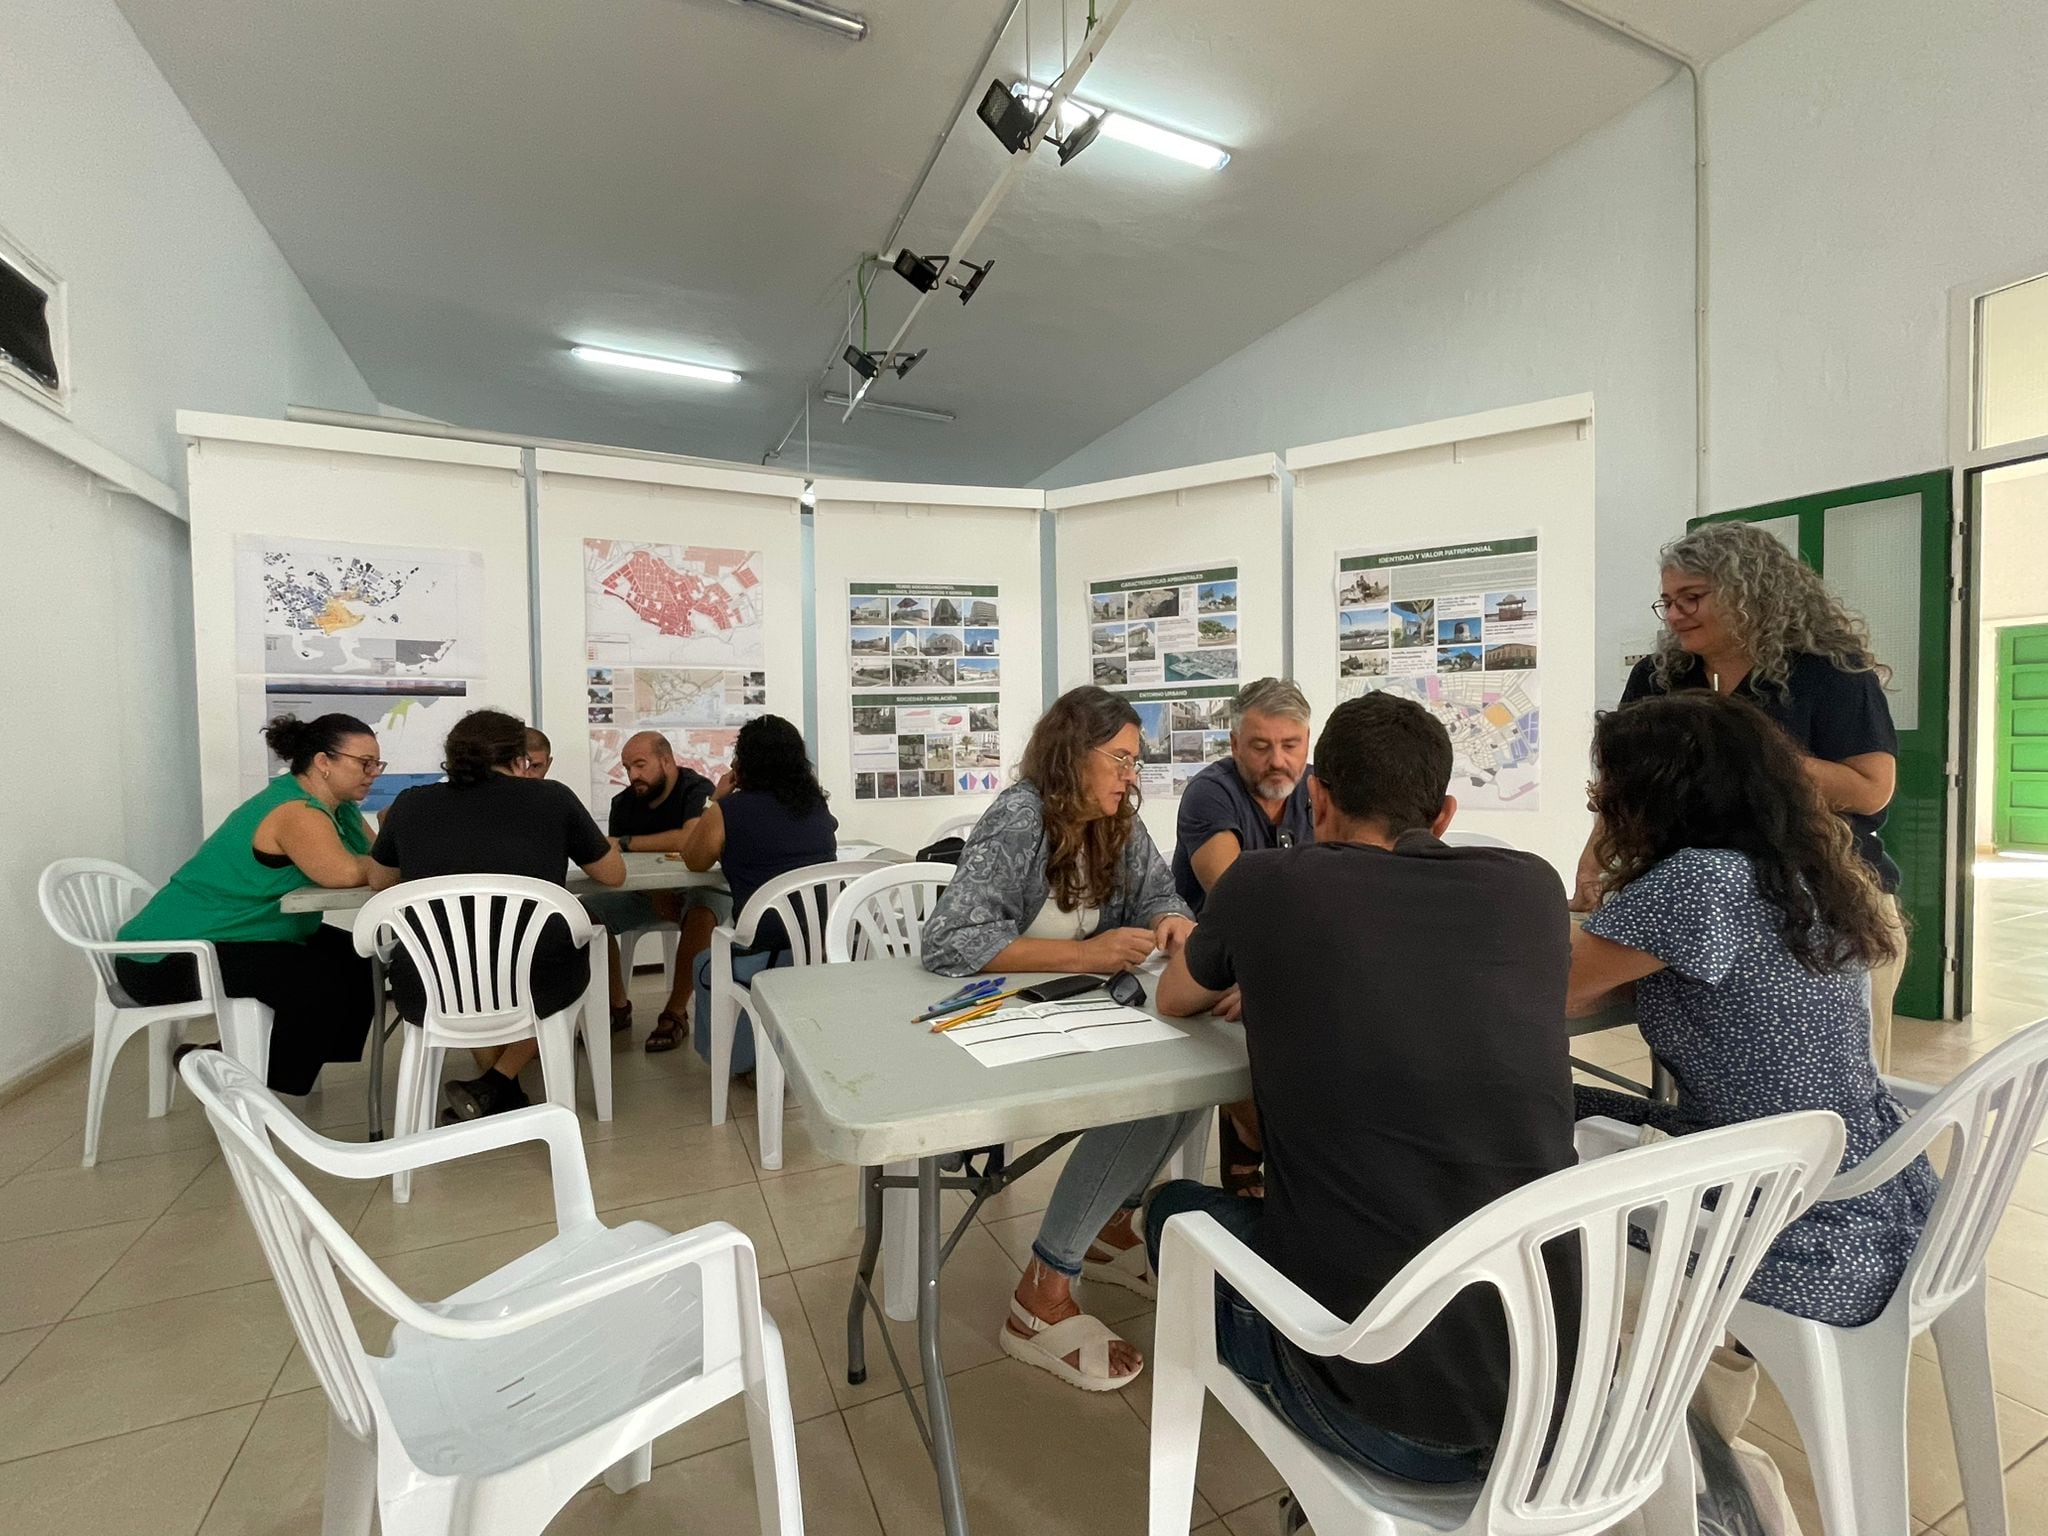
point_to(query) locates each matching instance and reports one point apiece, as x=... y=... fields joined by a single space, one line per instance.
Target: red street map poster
x=674 y=641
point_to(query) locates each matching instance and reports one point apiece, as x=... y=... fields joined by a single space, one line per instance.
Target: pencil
x=980 y=1010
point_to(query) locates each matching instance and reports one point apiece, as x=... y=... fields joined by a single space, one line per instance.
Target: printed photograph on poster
x=1151 y=636
x=1455 y=628
x=924 y=659
x=312 y=608
x=699 y=710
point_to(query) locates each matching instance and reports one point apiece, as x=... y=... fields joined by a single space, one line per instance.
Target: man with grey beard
x=1255 y=798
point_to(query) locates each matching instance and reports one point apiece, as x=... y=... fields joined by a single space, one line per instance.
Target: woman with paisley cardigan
x=1060 y=875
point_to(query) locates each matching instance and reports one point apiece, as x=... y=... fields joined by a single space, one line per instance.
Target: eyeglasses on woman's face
x=1123 y=762
x=370 y=765
x=1684 y=603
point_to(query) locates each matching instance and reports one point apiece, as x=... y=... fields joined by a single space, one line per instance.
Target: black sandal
x=667 y=1033
x=622 y=1018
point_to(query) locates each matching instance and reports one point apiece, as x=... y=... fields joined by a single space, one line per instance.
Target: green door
x=2019 y=811
x=1885 y=550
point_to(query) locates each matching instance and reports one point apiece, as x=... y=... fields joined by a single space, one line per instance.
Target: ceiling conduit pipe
x=852 y=28
x=1642 y=40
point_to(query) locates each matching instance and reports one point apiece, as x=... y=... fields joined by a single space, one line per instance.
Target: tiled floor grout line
x=137 y=1429
x=100 y=1279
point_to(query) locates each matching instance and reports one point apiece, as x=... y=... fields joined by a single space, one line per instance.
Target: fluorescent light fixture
x=921 y=412
x=655 y=365
x=1130 y=130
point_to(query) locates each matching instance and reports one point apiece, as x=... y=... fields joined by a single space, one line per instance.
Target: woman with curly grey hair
x=1745 y=616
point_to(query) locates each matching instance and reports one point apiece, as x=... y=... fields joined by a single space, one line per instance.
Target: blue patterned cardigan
x=1002 y=885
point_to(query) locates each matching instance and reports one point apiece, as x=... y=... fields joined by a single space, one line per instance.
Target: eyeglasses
x=1127 y=989
x=1125 y=763
x=1685 y=605
x=370 y=765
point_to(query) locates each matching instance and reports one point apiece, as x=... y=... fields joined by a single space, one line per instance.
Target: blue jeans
x=1248 y=1344
x=744 y=969
x=1109 y=1170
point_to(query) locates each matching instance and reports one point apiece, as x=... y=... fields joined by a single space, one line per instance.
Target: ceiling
x=467 y=187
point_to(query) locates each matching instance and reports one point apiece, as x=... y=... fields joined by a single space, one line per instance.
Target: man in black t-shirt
x=661 y=797
x=1403 y=1006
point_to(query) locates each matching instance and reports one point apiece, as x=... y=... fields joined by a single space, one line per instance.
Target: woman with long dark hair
x=305 y=827
x=1745 y=616
x=766 y=817
x=1736 y=906
x=1061 y=875
x=489 y=818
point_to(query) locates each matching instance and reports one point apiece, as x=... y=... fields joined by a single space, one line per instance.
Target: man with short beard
x=1253 y=799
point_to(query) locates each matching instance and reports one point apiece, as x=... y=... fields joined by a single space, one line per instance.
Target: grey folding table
x=880 y=1089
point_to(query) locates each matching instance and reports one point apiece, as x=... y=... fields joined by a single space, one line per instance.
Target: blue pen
x=974 y=992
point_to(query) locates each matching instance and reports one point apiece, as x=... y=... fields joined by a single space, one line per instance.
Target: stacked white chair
x=802 y=899
x=494 y=1407
x=472 y=939
x=1847 y=1387
x=1621 y=1442
x=881 y=915
x=665 y=934
x=85 y=902
x=956 y=826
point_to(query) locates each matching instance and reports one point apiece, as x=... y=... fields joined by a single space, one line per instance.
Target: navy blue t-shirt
x=1216 y=800
x=1827 y=712
x=763 y=840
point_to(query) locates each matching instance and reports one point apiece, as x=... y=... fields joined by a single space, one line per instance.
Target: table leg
x=931 y=1240
x=856 y=1306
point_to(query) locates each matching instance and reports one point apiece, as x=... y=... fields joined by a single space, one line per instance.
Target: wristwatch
x=626 y=844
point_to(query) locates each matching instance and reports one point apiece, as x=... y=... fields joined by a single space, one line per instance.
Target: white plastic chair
x=881 y=915
x=492 y=1408
x=956 y=826
x=665 y=934
x=802 y=899
x=1846 y=1387
x=1621 y=1442
x=85 y=902
x=472 y=940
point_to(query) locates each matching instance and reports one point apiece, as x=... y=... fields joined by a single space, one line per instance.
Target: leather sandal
x=667 y=1033
x=622 y=1018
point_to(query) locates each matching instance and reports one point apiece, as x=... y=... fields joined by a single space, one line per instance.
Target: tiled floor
x=149 y=1381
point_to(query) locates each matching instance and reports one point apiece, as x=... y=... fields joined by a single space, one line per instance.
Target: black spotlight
x=862 y=363
x=1081 y=137
x=967 y=289
x=904 y=363
x=921 y=272
x=1008 y=118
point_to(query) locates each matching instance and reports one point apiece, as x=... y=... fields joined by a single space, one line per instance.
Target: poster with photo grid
x=1167 y=641
x=924 y=663
x=1453 y=627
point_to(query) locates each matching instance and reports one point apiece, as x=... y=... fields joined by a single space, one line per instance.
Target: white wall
x=178 y=299
x=2012 y=538
x=1578 y=278
x=1868 y=156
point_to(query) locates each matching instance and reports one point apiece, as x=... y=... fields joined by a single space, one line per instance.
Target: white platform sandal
x=1130 y=1269
x=1086 y=1337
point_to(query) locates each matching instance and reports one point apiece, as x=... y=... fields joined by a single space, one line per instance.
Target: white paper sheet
x=1036 y=1031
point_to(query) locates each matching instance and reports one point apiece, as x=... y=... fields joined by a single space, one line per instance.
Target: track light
x=1008 y=115
x=968 y=288
x=684 y=370
x=1077 y=139
x=871 y=364
x=1122 y=127
x=921 y=272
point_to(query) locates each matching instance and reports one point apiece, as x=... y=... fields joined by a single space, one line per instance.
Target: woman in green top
x=302 y=829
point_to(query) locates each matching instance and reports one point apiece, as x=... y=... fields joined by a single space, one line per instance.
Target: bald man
x=661 y=798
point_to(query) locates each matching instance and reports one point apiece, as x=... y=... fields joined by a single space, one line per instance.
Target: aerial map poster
x=1454 y=627
x=924 y=662
x=1168 y=643
x=673 y=642
x=391 y=634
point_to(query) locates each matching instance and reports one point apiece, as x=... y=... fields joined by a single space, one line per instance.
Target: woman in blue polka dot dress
x=1736 y=906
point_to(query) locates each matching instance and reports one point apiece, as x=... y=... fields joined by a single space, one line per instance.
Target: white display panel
x=1478 y=494
x=368 y=573
x=670 y=600
x=1192 y=523
x=932 y=543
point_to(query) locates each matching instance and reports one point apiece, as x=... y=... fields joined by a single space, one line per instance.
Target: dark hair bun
x=288 y=737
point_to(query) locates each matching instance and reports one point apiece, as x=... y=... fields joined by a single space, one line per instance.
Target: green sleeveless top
x=226 y=894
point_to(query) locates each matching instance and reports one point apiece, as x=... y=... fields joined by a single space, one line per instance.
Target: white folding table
x=880 y=1089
